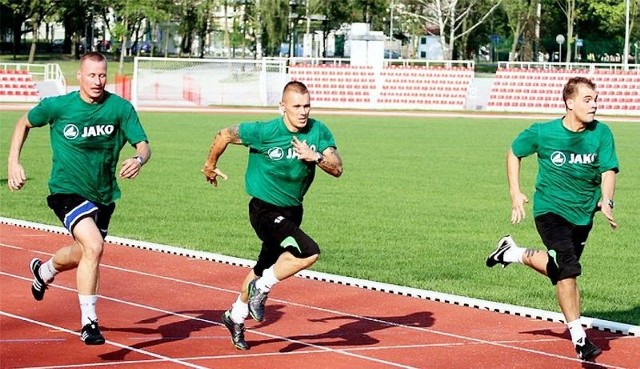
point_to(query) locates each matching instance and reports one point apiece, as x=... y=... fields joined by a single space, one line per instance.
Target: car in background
x=57 y=46
x=144 y=46
x=390 y=54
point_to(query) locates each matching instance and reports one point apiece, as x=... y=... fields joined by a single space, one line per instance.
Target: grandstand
x=535 y=87
x=21 y=82
x=335 y=83
x=17 y=85
x=396 y=84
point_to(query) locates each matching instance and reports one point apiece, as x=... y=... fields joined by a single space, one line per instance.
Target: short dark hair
x=571 y=87
x=295 y=86
x=93 y=55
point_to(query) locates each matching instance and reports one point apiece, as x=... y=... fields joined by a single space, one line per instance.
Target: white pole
x=559 y=53
x=538 y=12
x=625 y=55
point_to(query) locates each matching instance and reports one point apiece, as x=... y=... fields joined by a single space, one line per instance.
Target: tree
x=568 y=7
x=369 y=11
x=446 y=19
x=335 y=14
x=275 y=26
x=33 y=10
x=521 y=15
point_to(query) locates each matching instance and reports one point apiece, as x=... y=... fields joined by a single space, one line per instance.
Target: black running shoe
x=587 y=350
x=236 y=330
x=39 y=285
x=257 y=299
x=497 y=256
x=91 y=334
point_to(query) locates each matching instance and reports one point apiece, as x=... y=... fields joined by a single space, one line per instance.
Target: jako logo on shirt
x=582 y=158
x=558 y=158
x=98 y=130
x=276 y=153
x=292 y=154
x=71 y=131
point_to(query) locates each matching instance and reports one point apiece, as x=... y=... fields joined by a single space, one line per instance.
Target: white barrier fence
x=405 y=84
x=204 y=82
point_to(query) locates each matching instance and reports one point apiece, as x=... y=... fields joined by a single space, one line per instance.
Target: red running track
x=159 y=310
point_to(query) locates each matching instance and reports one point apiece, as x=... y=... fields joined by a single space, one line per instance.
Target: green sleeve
x=326 y=139
x=42 y=114
x=249 y=133
x=131 y=125
x=526 y=143
x=607 y=155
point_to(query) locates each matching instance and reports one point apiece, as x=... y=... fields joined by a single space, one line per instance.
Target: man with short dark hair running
x=88 y=128
x=577 y=166
x=283 y=156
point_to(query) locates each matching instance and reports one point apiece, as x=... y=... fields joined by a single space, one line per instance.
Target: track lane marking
x=113 y=343
x=330 y=311
x=212 y=322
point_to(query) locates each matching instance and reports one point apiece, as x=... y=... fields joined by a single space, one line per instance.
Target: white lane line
x=185 y=316
x=330 y=311
x=65 y=330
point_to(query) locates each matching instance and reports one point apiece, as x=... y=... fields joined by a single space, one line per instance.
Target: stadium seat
x=17 y=85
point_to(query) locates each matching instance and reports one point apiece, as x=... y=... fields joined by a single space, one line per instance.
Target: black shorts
x=70 y=209
x=279 y=229
x=565 y=242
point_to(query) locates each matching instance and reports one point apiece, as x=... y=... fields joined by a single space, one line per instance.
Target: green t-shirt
x=570 y=165
x=86 y=140
x=274 y=173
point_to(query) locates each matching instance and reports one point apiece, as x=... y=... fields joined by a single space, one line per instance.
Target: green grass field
x=421 y=203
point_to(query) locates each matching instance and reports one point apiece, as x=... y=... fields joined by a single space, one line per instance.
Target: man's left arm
x=330 y=161
x=607 y=187
x=131 y=166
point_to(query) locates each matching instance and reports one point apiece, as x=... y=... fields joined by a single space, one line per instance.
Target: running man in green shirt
x=283 y=156
x=577 y=167
x=88 y=128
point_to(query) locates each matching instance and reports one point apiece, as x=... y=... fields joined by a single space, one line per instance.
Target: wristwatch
x=320 y=158
x=139 y=159
x=610 y=203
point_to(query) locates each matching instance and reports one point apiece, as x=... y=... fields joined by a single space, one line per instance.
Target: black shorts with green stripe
x=565 y=242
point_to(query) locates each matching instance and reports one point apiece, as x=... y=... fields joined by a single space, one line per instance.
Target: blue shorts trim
x=85 y=209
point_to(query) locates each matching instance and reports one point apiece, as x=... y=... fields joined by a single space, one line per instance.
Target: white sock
x=88 y=308
x=47 y=271
x=267 y=281
x=239 y=311
x=514 y=254
x=577 y=332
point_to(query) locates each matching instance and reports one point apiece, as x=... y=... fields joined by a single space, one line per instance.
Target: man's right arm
x=518 y=199
x=16 y=176
x=226 y=136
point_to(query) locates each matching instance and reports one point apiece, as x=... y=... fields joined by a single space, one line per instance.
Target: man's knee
x=91 y=250
x=562 y=265
x=311 y=260
x=302 y=262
